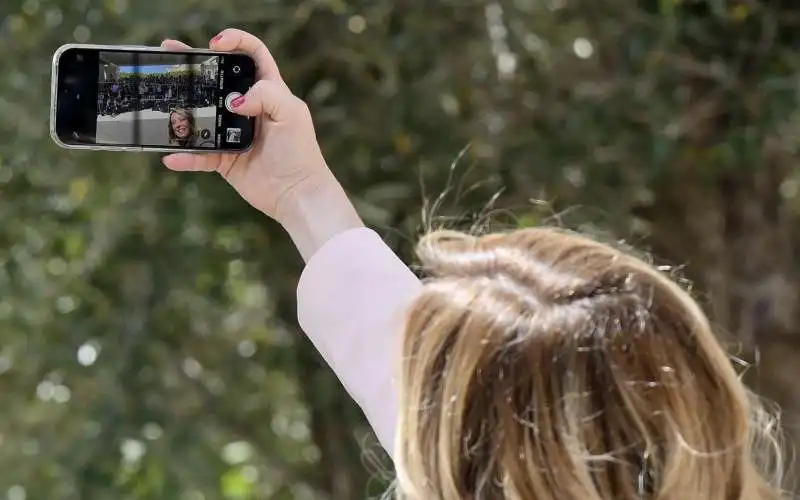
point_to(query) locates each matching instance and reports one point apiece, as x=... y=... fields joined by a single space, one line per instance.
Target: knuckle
x=261 y=85
x=259 y=89
x=300 y=106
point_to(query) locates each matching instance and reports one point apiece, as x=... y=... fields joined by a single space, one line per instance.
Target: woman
x=534 y=364
x=183 y=131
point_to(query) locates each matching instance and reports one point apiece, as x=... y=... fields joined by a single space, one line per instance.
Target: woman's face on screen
x=180 y=125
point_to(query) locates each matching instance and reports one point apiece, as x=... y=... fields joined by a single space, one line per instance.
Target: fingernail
x=237 y=102
x=216 y=38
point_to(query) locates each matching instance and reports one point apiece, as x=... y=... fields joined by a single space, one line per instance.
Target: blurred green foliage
x=148 y=345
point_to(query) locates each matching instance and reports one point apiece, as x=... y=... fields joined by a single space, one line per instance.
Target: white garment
x=352 y=298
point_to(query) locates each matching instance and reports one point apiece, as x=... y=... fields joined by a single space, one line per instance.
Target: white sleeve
x=352 y=298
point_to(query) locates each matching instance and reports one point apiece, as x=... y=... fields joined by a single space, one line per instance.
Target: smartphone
x=125 y=98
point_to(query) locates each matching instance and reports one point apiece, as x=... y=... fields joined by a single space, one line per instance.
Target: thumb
x=271 y=98
x=188 y=162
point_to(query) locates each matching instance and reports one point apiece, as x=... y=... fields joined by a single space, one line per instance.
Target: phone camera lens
x=236 y=70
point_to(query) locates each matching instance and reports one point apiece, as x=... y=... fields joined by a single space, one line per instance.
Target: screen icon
x=233 y=135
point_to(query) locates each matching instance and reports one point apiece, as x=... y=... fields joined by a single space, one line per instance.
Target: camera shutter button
x=229 y=99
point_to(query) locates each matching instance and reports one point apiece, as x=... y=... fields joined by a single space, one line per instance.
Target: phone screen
x=157 y=100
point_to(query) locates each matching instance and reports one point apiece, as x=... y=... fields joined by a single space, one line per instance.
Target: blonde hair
x=542 y=365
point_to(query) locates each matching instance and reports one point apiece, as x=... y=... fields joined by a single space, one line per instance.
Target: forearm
x=352 y=300
x=316 y=213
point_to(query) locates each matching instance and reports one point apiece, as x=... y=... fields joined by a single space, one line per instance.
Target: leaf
x=236 y=485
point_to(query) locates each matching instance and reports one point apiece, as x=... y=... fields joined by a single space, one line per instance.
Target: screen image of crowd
x=173 y=99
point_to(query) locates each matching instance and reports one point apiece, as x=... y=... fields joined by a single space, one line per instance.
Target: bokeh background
x=148 y=342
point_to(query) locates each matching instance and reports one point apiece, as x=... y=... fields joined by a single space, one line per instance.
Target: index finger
x=233 y=39
x=174 y=45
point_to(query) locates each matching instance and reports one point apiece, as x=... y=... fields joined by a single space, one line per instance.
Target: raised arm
x=351 y=299
x=354 y=291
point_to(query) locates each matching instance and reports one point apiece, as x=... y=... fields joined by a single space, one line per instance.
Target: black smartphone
x=147 y=99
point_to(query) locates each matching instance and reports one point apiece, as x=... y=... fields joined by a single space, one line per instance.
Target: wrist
x=316 y=212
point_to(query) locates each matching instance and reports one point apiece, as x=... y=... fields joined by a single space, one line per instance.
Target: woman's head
x=543 y=365
x=181 y=125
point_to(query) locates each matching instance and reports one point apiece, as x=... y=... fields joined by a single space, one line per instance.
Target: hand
x=284 y=174
x=285 y=159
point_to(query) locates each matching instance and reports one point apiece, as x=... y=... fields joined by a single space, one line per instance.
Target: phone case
x=136 y=149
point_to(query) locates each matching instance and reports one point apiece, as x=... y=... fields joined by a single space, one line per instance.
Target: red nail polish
x=216 y=38
x=237 y=102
